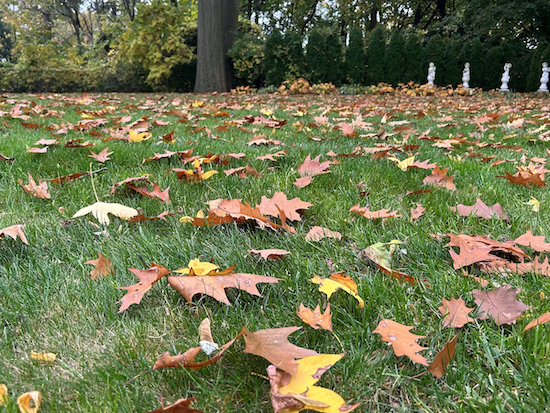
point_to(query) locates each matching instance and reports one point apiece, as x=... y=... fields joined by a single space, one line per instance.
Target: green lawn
x=49 y=302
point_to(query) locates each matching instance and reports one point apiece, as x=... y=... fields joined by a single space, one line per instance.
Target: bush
x=333 y=66
x=376 y=56
x=315 y=56
x=355 y=57
x=247 y=54
x=275 y=66
x=414 y=60
x=396 y=58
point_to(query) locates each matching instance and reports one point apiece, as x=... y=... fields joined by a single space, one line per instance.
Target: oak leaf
x=102 y=156
x=293 y=393
x=336 y=282
x=179 y=406
x=381 y=257
x=313 y=167
x=215 y=285
x=481 y=210
x=240 y=212
x=156 y=193
x=103 y=267
x=542 y=319
x=14 y=231
x=501 y=304
x=403 y=342
x=147 y=278
x=270 y=253
x=273 y=345
x=315 y=318
x=100 y=210
x=440 y=179
x=367 y=213
x=417 y=212
x=303 y=181
x=272 y=206
x=535 y=242
x=455 y=312
x=443 y=358
x=317 y=233
x=39 y=191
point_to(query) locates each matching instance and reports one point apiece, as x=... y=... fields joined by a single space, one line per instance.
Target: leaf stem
x=93 y=185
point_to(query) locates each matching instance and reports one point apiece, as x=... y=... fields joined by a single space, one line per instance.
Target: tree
x=275 y=65
x=315 y=56
x=395 y=58
x=333 y=59
x=435 y=52
x=355 y=57
x=414 y=60
x=376 y=56
x=216 y=20
x=473 y=53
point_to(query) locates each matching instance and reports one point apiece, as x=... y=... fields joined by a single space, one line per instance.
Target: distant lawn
x=49 y=302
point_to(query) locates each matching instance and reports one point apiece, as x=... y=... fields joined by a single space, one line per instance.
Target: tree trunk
x=216 y=19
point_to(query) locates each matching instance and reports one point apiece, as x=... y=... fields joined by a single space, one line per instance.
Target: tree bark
x=215 y=21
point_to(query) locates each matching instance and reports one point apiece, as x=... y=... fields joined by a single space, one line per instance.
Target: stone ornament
x=466 y=76
x=544 y=78
x=505 y=77
x=431 y=73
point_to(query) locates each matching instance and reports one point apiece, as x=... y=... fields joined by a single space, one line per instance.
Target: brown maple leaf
x=156 y=193
x=403 y=342
x=455 y=312
x=179 y=406
x=279 y=202
x=103 y=267
x=303 y=181
x=39 y=191
x=270 y=253
x=38 y=150
x=313 y=167
x=317 y=233
x=215 y=285
x=240 y=212
x=14 y=231
x=529 y=240
x=367 y=213
x=481 y=210
x=527 y=176
x=315 y=318
x=273 y=345
x=501 y=304
x=157 y=156
x=417 y=212
x=68 y=178
x=147 y=278
x=440 y=179
x=262 y=140
x=272 y=156
x=443 y=358
x=102 y=156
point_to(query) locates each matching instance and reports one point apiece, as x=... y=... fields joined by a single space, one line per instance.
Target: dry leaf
x=39 y=191
x=14 y=231
x=443 y=358
x=417 y=212
x=318 y=233
x=455 y=312
x=44 y=357
x=147 y=278
x=440 y=179
x=501 y=304
x=303 y=181
x=101 y=209
x=103 y=267
x=336 y=282
x=315 y=318
x=542 y=319
x=535 y=242
x=180 y=406
x=381 y=257
x=270 y=253
x=25 y=400
x=3 y=394
x=367 y=213
x=156 y=193
x=279 y=202
x=481 y=210
x=102 y=156
x=403 y=342
x=313 y=167
x=273 y=345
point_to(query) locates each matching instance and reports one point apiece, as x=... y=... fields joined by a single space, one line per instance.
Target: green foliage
x=538 y=56
x=333 y=59
x=6 y=42
x=376 y=56
x=355 y=57
x=454 y=62
x=435 y=52
x=395 y=58
x=275 y=66
x=414 y=60
x=155 y=39
x=294 y=55
x=315 y=56
x=247 y=53
x=473 y=53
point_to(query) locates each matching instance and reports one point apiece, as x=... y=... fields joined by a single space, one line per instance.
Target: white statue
x=431 y=73
x=505 y=77
x=544 y=78
x=466 y=76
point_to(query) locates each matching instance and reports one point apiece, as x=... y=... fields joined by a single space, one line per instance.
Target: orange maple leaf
x=156 y=193
x=315 y=318
x=455 y=312
x=279 y=202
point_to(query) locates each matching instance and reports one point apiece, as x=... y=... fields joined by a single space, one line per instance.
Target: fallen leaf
x=3 y=394
x=103 y=267
x=100 y=210
x=69 y=178
x=443 y=358
x=14 y=231
x=367 y=213
x=207 y=343
x=336 y=282
x=39 y=191
x=5 y=158
x=156 y=193
x=439 y=179
x=303 y=181
x=501 y=304
x=417 y=212
x=403 y=342
x=215 y=285
x=317 y=233
x=198 y=267
x=24 y=402
x=273 y=345
x=481 y=210
x=315 y=318
x=147 y=278
x=455 y=313
x=542 y=319
x=272 y=206
x=270 y=253
x=293 y=393
x=180 y=406
x=381 y=257
x=134 y=136
x=313 y=167
x=44 y=357
x=529 y=240
x=102 y=156
x=535 y=204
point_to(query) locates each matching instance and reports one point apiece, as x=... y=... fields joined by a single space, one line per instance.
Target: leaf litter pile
x=398 y=241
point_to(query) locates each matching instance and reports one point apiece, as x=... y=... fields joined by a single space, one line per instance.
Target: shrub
x=275 y=66
x=396 y=58
x=414 y=60
x=376 y=56
x=247 y=54
x=315 y=56
x=333 y=66
x=355 y=57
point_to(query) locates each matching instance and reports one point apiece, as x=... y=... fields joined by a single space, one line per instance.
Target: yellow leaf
x=199 y=267
x=535 y=203
x=266 y=112
x=139 y=137
x=329 y=286
x=3 y=394
x=301 y=386
x=208 y=174
x=100 y=210
x=404 y=164
x=45 y=357
x=24 y=402
x=198 y=103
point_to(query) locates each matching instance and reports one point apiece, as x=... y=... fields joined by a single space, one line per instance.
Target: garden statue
x=431 y=73
x=466 y=76
x=505 y=77
x=544 y=78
